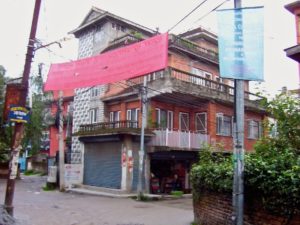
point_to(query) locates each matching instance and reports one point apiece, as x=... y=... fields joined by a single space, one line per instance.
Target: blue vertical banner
x=241 y=46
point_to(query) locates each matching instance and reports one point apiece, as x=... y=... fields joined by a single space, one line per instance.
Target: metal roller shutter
x=102 y=165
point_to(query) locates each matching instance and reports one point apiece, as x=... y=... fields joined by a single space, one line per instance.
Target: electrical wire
x=205 y=15
x=187 y=15
x=214 y=9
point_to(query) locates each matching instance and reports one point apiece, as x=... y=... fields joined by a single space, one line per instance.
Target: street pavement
x=33 y=206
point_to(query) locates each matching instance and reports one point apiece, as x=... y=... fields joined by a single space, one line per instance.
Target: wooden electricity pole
x=19 y=128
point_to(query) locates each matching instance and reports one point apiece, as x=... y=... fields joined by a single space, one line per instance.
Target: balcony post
x=167 y=136
x=189 y=139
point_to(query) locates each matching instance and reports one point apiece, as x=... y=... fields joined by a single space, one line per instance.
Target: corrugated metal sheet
x=102 y=165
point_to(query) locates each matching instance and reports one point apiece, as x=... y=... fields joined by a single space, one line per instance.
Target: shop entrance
x=170 y=171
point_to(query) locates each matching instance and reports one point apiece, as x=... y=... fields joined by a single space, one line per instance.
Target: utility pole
x=142 y=150
x=238 y=181
x=61 y=143
x=19 y=128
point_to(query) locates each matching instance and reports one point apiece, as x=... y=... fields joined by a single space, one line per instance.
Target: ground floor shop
x=170 y=171
x=115 y=164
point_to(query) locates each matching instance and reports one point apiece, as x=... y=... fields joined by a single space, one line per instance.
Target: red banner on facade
x=131 y=61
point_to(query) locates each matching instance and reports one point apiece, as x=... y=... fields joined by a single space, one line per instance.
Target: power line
x=214 y=9
x=205 y=15
x=187 y=15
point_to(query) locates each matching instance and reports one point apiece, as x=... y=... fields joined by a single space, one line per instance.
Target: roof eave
x=105 y=16
x=292 y=6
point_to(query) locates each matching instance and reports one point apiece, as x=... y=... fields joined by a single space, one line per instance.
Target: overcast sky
x=58 y=17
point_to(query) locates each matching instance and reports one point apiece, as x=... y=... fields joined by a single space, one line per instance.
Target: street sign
x=19 y=114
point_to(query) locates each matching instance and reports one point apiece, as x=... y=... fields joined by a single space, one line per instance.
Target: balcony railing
x=194 y=79
x=166 y=138
x=179 y=139
x=108 y=125
x=194 y=48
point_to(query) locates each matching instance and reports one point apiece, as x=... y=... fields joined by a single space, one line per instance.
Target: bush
x=272 y=173
x=275 y=178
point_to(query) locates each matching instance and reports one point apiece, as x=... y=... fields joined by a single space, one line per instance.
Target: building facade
x=188 y=107
x=294 y=51
x=50 y=137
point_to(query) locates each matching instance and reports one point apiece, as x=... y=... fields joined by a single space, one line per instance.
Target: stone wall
x=216 y=209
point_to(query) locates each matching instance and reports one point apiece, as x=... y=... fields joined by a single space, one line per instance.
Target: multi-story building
x=188 y=107
x=50 y=137
x=294 y=52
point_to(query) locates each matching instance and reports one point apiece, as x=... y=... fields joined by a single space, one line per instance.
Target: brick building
x=50 y=137
x=188 y=106
x=294 y=51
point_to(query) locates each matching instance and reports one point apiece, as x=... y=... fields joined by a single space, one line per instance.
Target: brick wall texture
x=216 y=209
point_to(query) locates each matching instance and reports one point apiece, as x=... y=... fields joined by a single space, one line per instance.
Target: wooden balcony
x=186 y=140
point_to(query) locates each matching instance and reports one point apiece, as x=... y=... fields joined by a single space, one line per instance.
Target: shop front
x=170 y=171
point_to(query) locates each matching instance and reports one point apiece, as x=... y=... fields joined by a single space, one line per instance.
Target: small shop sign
x=19 y=114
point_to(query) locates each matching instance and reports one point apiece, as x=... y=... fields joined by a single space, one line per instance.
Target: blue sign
x=240 y=40
x=19 y=114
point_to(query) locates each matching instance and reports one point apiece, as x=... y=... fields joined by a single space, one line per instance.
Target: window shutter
x=128 y=115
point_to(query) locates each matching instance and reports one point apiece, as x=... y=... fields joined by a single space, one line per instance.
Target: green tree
x=272 y=172
x=35 y=127
x=4 y=132
x=2 y=87
x=285 y=109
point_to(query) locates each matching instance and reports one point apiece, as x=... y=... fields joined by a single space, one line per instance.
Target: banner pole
x=238 y=182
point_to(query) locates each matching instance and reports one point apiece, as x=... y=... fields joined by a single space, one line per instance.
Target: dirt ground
x=33 y=206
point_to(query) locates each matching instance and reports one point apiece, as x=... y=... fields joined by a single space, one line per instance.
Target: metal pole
x=238 y=183
x=19 y=128
x=142 y=150
x=61 y=143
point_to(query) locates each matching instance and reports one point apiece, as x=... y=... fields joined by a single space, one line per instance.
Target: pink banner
x=124 y=63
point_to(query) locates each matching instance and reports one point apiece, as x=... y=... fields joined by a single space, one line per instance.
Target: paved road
x=33 y=206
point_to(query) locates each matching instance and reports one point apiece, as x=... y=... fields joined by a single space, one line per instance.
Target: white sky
x=58 y=17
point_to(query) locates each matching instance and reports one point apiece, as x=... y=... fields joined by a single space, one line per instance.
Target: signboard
x=73 y=174
x=12 y=97
x=19 y=114
x=240 y=40
x=14 y=164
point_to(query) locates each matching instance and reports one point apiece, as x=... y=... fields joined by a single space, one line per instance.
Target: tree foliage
x=4 y=141
x=2 y=87
x=35 y=127
x=272 y=173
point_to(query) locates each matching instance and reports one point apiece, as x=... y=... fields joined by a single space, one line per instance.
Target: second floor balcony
x=179 y=139
x=162 y=138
